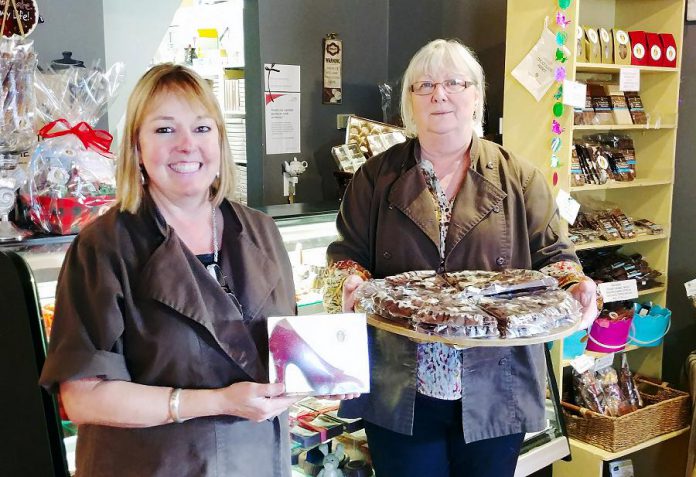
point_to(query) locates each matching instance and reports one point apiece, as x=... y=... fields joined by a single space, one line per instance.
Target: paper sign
x=618 y=291
x=690 y=288
x=604 y=361
x=582 y=363
x=568 y=207
x=282 y=123
x=574 y=94
x=629 y=79
x=281 y=78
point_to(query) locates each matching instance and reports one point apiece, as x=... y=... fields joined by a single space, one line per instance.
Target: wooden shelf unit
x=527 y=133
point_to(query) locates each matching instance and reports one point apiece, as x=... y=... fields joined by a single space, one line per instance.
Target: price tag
x=690 y=287
x=604 y=361
x=582 y=363
x=618 y=291
x=568 y=207
x=629 y=79
x=574 y=94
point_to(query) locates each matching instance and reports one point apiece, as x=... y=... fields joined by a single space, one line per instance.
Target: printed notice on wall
x=282 y=108
x=618 y=291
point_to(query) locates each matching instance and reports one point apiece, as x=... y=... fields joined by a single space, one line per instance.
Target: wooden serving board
x=404 y=329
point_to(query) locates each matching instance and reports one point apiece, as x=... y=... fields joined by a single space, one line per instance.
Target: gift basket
x=617 y=410
x=72 y=173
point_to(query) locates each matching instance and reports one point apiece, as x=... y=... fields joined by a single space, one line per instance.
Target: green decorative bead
x=563 y=4
x=558 y=109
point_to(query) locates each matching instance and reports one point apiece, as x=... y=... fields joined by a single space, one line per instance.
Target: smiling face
x=442 y=113
x=179 y=149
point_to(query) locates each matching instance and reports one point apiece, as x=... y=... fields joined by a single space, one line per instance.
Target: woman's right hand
x=255 y=401
x=351 y=283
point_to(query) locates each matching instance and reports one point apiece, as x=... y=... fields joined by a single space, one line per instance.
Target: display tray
x=404 y=329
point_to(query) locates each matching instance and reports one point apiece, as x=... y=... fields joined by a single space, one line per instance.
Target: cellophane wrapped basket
x=72 y=173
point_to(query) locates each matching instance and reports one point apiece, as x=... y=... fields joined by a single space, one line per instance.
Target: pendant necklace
x=213 y=268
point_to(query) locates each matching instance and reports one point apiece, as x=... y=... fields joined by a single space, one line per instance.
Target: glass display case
x=28 y=277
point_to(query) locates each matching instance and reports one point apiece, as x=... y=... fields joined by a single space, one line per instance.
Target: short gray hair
x=435 y=57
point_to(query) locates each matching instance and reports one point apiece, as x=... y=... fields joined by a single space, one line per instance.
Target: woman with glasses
x=448 y=200
x=159 y=344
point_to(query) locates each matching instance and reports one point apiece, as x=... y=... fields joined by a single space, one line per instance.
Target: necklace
x=213 y=268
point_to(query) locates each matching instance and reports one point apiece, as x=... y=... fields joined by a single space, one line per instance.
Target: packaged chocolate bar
x=619 y=107
x=577 y=177
x=635 y=106
x=628 y=384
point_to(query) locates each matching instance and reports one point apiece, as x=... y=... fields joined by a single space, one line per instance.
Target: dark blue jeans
x=437 y=447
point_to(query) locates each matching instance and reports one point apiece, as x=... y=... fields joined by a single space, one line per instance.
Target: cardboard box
x=606 y=43
x=622 y=48
x=319 y=354
x=655 y=56
x=594 y=53
x=639 y=48
x=669 y=48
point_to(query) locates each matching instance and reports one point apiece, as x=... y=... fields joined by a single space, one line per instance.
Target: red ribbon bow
x=97 y=139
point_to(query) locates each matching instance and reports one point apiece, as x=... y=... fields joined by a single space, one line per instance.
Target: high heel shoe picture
x=320 y=354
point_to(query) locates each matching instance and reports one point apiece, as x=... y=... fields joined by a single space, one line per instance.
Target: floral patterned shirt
x=439 y=372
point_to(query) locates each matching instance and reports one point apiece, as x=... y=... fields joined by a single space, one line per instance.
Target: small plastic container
x=574 y=345
x=608 y=336
x=650 y=330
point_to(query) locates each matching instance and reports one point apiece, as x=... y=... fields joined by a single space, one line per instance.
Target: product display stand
x=527 y=133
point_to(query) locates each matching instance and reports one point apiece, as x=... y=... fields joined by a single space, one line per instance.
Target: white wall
x=133 y=30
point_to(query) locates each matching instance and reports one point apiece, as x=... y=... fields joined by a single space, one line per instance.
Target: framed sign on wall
x=332 y=90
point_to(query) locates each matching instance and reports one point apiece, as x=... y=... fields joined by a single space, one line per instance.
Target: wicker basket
x=666 y=410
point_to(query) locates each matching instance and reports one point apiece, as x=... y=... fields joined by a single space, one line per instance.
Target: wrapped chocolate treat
x=472 y=304
x=628 y=384
x=17 y=67
x=588 y=392
x=616 y=404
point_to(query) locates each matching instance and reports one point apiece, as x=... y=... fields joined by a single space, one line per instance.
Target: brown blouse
x=135 y=304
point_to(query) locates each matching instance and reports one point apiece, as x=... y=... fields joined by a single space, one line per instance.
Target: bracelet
x=174 y=400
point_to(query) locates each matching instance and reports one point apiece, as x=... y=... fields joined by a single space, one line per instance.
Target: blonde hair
x=436 y=57
x=189 y=85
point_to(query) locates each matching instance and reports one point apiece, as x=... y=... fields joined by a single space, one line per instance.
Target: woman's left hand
x=586 y=293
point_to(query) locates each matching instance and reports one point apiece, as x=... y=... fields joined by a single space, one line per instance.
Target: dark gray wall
x=71 y=25
x=291 y=32
x=682 y=259
x=479 y=25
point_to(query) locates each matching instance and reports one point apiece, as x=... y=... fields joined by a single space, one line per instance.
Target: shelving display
x=648 y=196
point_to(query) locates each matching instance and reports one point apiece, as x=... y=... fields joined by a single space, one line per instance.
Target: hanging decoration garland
x=558 y=108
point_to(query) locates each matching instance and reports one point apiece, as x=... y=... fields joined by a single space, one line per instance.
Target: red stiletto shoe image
x=287 y=346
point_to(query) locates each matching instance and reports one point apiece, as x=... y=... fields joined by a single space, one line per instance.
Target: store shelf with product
x=647 y=194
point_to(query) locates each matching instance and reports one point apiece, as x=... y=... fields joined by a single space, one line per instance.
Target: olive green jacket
x=503 y=217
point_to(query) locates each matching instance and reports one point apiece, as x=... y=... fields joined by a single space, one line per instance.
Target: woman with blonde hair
x=448 y=200
x=159 y=345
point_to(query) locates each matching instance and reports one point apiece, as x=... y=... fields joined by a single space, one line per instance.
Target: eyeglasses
x=424 y=88
x=216 y=272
